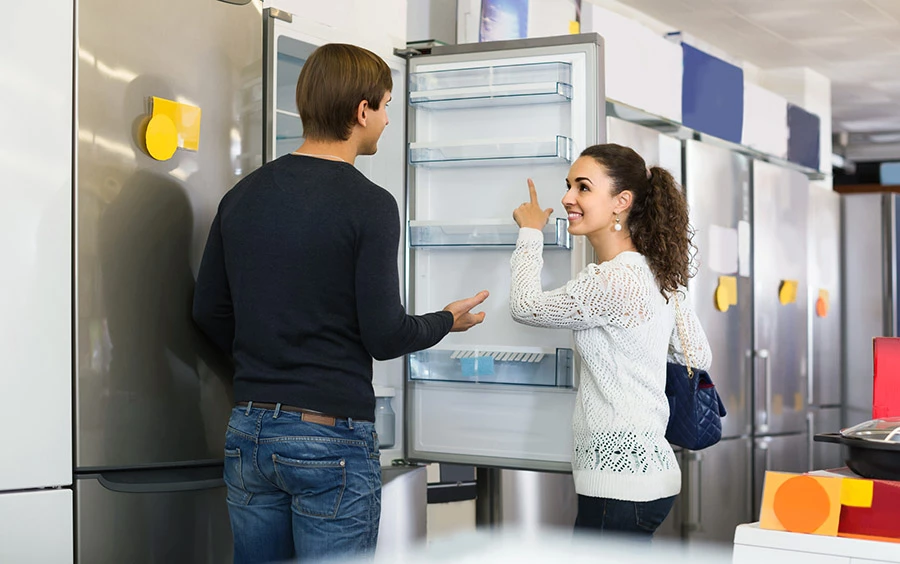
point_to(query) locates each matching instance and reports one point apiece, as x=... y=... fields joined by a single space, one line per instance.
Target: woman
x=623 y=311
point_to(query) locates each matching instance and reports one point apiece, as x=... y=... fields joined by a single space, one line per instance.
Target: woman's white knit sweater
x=625 y=332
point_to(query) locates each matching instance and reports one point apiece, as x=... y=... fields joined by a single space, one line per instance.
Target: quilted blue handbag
x=695 y=408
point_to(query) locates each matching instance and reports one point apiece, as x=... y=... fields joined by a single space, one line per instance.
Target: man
x=299 y=284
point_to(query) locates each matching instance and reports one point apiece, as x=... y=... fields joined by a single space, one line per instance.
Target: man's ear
x=362 y=111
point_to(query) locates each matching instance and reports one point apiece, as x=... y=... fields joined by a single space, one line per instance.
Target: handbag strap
x=679 y=325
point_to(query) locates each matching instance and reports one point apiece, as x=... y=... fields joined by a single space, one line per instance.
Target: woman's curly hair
x=658 y=218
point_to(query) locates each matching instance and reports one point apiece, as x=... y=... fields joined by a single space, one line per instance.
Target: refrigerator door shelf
x=507 y=95
x=482 y=233
x=527 y=366
x=532 y=83
x=532 y=151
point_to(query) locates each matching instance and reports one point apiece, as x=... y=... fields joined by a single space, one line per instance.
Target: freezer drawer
x=147 y=516
x=785 y=453
x=36 y=527
x=716 y=493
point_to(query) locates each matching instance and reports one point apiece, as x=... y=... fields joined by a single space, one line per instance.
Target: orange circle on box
x=802 y=505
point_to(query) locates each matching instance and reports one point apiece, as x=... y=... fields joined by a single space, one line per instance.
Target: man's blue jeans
x=301 y=490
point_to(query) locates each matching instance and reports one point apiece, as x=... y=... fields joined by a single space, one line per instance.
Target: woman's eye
x=583 y=188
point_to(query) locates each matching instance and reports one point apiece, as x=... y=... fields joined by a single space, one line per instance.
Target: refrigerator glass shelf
x=499 y=95
x=535 y=151
x=475 y=84
x=288 y=125
x=482 y=233
x=522 y=366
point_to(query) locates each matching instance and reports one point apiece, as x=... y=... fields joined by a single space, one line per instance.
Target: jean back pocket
x=316 y=486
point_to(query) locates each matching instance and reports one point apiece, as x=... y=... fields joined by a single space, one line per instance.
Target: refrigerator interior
x=780 y=212
x=499 y=394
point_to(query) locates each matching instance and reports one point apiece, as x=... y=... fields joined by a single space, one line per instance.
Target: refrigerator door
x=37 y=527
x=717 y=186
x=784 y=453
x=869 y=279
x=780 y=212
x=825 y=315
x=288 y=42
x=825 y=455
x=718 y=486
x=146 y=516
x=150 y=388
x=36 y=246
x=484 y=118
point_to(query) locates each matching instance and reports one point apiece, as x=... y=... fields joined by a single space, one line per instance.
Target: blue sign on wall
x=803 y=137
x=712 y=95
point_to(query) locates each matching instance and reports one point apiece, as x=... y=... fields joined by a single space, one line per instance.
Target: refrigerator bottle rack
x=507 y=85
x=482 y=233
x=557 y=150
x=524 y=366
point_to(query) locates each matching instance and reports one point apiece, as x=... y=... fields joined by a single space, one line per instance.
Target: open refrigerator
x=479 y=120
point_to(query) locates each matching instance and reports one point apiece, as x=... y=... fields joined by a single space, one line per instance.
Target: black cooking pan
x=876 y=460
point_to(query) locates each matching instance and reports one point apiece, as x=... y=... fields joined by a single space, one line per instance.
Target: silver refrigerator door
x=780 y=206
x=717 y=186
x=869 y=247
x=716 y=496
x=825 y=455
x=825 y=315
x=150 y=389
x=177 y=516
x=785 y=453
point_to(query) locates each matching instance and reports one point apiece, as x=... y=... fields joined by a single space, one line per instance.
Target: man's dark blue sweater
x=299 y=284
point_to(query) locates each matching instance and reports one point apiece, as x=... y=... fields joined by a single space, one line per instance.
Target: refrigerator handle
x=162 y=481
x=695 y=482
x=810 y=447
x=767 y=383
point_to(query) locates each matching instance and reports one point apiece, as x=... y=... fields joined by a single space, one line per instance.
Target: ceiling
x=856 y=43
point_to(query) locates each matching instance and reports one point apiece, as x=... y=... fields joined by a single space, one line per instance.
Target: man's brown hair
x=332 y=83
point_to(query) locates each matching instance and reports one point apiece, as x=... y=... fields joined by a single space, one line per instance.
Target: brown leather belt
x=305 y=414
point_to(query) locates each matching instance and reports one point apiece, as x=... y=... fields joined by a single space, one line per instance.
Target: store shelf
x=680 y=131
x=557 y=150
x=482 y=233
x=524 y=366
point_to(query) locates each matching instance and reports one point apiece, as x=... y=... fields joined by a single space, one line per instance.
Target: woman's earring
x=617 y=226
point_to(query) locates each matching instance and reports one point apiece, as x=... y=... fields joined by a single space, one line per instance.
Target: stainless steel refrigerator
x=717 y=481
x=780 y=322
x=824 y=390
x=152 y=395
x=871 y=257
